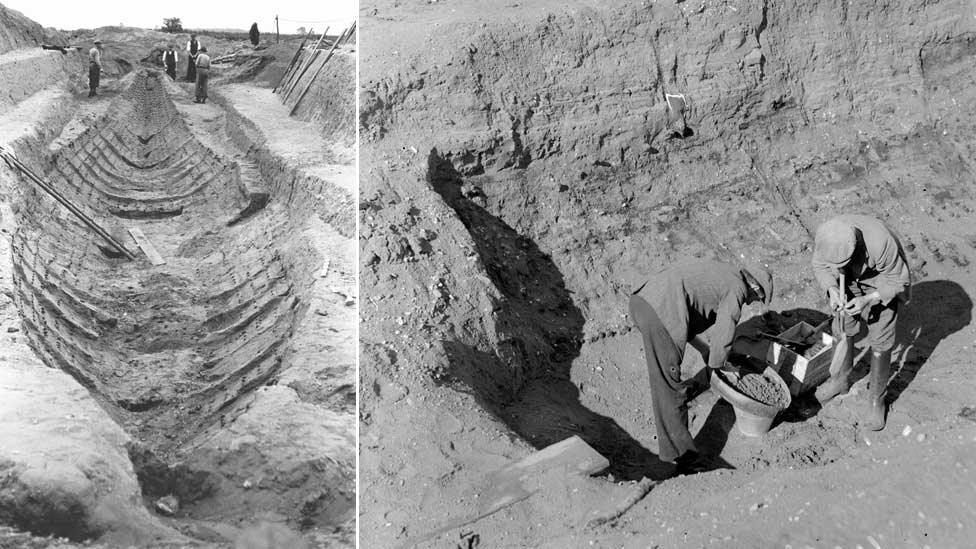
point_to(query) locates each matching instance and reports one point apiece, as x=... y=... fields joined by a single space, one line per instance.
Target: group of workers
x=675 y=306
x=197 y=67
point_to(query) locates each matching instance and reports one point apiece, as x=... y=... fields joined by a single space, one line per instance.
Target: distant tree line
x=172 y=24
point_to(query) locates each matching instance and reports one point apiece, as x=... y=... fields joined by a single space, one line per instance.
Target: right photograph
x=666 y=274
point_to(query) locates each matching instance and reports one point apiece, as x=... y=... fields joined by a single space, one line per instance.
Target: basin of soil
x=760 y=387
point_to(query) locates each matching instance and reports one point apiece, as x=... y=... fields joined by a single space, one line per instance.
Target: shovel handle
x=839 y=314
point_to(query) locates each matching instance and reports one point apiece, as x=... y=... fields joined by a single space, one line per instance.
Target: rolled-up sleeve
x=723 y=331
x=894 y=276
x=826 y=275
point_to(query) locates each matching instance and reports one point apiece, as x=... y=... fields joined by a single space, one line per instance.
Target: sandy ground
x=294 y=140
x=518 y=180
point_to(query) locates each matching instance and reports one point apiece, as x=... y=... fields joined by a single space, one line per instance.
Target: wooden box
x=803 y=373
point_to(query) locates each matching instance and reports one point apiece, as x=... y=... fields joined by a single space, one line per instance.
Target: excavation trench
x=524 y=180
x=166 y=349
x=550 y=138
x=561 y=252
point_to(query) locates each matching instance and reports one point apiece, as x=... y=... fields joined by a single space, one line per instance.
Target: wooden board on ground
x=146 y=246
x=573 y=453
x=515 y=482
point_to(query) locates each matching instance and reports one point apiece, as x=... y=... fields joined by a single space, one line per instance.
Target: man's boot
x=880 y=370
x=839 y=382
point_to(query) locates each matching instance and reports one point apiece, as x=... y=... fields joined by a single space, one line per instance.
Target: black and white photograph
x=666 y=274
x=178 y=274
x=458 y=274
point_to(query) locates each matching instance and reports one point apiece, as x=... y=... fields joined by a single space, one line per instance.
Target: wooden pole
x=352 y=29
x=312 y=79
x=301 y=62
x=277 y=36
x=293 y=59
x=303 y=66
x=298 y=80
x=311 y=61
x=14 y=163
x=307 y=86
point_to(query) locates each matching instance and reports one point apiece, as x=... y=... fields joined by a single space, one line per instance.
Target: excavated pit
x=166 y=349
x=522 y=176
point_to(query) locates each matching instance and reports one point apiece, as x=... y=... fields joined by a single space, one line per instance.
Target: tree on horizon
x=172 y=24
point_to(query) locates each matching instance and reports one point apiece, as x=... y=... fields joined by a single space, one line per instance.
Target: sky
x=195 y=14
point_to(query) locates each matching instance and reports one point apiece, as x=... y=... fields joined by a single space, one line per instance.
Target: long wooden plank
x=352 y=30
x=302 y=66
x=12 y=161
x=573 y=453
x=298 y=53
x=289 y=81
x=315 y=75
x=147 y=246
x=513 y=483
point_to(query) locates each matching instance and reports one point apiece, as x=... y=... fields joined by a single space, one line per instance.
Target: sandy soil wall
x=27 y=71
x=18 y=31
x=523 y=177
x=331 y=100
x=303 y=193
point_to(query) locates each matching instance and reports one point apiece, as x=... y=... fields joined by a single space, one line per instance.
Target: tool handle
x=839 y=314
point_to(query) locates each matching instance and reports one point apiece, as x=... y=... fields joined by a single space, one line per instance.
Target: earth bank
x=520 y=175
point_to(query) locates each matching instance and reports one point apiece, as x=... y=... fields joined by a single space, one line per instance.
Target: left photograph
x=178 y=279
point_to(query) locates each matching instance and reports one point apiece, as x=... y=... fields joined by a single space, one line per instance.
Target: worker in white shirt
x=193 y=47
x=170 y=59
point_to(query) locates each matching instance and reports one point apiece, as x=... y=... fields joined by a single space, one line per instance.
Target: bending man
x=878 y=280
x=672 y=309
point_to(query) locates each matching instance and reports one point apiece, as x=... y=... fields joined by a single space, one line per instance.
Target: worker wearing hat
x=94 y=68
x=877 y=280
x=671 y=310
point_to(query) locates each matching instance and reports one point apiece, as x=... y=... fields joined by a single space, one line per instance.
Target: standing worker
x=672 y=309
x=873 y=264
x=170 y=59
x=203 y=75
x=94 y=67
x=193 y=47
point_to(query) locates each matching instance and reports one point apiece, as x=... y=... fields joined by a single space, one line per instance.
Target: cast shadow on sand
x=526 y=380
x=938 y=309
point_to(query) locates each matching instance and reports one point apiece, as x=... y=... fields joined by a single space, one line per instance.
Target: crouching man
x=671 y=310
x=877 y=281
